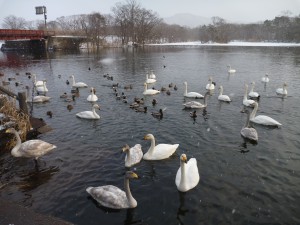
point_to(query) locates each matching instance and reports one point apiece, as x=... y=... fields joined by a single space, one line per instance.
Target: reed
x=20 y=120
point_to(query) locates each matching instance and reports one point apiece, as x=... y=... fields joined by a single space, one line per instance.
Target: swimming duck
x=158 y=115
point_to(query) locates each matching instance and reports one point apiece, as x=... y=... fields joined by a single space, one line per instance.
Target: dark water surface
x=240 y=183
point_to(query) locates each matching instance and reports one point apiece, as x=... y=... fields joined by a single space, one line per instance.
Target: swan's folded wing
x=178 y=177
x=193 y=172
x=35 y=148
x=165 y=150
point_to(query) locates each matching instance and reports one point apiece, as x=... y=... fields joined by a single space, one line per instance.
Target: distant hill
x=186 y=19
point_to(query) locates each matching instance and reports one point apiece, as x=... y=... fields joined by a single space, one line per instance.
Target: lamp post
x=42 y=10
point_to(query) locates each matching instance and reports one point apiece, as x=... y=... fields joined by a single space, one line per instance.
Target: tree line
x=132 y=23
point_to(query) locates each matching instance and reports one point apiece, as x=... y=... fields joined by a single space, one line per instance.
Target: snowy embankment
x=233 y=43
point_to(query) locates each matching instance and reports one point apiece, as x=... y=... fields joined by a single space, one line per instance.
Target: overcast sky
x=243 y=11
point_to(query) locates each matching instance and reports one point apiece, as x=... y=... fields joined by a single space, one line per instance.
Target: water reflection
x=181 y=209
x=130 y=218
x=35 y=178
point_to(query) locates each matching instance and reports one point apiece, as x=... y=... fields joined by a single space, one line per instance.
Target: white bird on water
x=113 y=197
x=191 y=94
x=187 y=176
x=230 y=70
x=252 y=93
x=92 y=97
x=77 y=84
x=249 y=132
x=222 y=97
x=265 y=78
x=261 y=119
x=89 y=114
x=247 y=102
x=133 y=155
x=283 y=90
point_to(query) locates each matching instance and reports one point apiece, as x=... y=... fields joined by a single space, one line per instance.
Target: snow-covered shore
x=233 y=43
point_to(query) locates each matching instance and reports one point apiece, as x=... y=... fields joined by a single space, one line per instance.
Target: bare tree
x=13 y=22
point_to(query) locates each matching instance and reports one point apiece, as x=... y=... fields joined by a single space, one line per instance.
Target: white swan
x=29 y=149
x=247 y=102
x=191 y=94
x=35 y=82
x=196 y=105
x=252 y=93
x=230 y=70
x=261 y=119
x=160 y=151
x=92 y=97
x=42 y=88
x=149 y=80
x=152 y=75
x=89 y=114
x=210 y=86
x=283 y=90
x=222 y=97
x=249 y=132
x=187 y=176
x=37 y=98
x=149 y=91
x=133 y=155
x=265 y=78
x=113 y=197
x=78 y=84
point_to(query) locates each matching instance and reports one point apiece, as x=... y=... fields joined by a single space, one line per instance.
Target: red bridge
x=8 y=34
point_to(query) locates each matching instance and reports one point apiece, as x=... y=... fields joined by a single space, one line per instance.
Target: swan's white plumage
x=252 y=93
x=246 y=101
x=149 y=80
x=261 y=119
x=210 y=86
x=152 y=75
x=191 y=94
x=222 y=97
x=283 y=90
x=133 y=155
x=35 y=82
x=230 y=70
x=149 y=91
x=249 y=132
x=42 y=88
x=31 y=148
x=265 y=78
x=89 y=114
x=113 y=197
x=194 y=105
x=92 y=97
x=160 y=151
x=187 y=176
x=77 y=84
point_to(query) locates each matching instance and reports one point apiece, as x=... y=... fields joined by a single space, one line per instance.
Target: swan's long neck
x=15 y=150
x=253 y=113
x=185 y=89
x=73 y=80
x=221 y=90
x=205 y=100
x=252 y=87
x=145 y=88
x=131 y=201
x=94 y=112
x=284 y=88
x=246 y=92
x=151 y=149
x=183 y=175
x=248 y=120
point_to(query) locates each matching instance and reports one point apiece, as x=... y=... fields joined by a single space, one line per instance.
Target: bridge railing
x=9 y=34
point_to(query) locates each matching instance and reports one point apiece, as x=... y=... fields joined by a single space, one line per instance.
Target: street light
x=42 y=10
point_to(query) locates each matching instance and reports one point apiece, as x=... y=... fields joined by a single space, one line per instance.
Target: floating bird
x=78 y=84
x=50 y=114
x=37 y=98
x=247 y=102
x=230 y=70
x=196 y=105
x=261 y=119
x=149 y=80
x=154 y=102
x=160 y=151
x=92 y=97
x=30 y=149
x=222 y=97
x=158 y=115
x=187 y=176
x=282 y=91
x=149 y=91
x=191 y=94
x=69 y=107
x=113 y=197
x=265 y=78
x=37 y=83
x=252 y=93
x=89 y=114
x=175 y=87
x=249 y=132
x=67 y=82
x=133 y=155
x=42 y=88
x=152 y=75
x=193 y=114
x=64 y=95
x=211 y=85
x=141 y=109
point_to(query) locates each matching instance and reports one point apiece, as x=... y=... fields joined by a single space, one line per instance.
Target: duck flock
x=187 y=176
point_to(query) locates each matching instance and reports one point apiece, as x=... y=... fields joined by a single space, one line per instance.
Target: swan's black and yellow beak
x=8 y=131
x=184 y=158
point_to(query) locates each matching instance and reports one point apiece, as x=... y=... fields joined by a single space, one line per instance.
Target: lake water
x=241 y=183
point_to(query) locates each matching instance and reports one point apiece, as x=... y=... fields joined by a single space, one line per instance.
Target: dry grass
x=21 y=121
